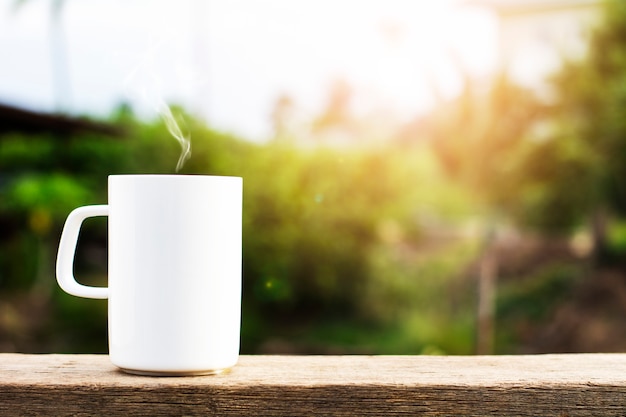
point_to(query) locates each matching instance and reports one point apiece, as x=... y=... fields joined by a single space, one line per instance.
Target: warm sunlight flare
x=396 y=56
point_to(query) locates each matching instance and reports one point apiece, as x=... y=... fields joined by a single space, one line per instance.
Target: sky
x=228 y=61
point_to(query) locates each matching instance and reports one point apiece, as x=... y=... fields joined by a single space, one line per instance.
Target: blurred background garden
x=488 y=215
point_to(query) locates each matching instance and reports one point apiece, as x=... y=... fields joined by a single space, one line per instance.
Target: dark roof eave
x=14 y=119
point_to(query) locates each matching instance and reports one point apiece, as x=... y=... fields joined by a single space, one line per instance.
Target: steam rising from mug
x=173 y=126
x=143 y=85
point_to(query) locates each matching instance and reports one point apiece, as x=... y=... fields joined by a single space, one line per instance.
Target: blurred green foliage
x=562 y=150
x=328 y=234
x=346 y=250
x=576 y=168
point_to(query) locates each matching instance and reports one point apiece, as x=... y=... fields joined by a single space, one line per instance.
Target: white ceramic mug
x=174 y=284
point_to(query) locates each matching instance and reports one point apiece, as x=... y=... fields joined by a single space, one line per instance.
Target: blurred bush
x=328 y=234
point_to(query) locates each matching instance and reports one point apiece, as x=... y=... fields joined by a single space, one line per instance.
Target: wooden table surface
x=531 y=385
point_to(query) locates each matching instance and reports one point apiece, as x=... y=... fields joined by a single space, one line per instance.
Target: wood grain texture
x=537 y=385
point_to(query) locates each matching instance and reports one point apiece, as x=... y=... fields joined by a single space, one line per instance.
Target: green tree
x=577 y=173
x=478 y=136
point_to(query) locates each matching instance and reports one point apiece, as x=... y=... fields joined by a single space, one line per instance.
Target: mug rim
x=172 y=176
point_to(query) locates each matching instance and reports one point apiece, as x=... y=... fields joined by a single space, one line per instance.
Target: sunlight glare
x=229 y=60
x=397 y=55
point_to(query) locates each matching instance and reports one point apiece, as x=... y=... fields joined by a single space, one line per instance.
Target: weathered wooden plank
x=538 y=385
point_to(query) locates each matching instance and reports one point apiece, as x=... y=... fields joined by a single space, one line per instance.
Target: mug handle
x=67 y=250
